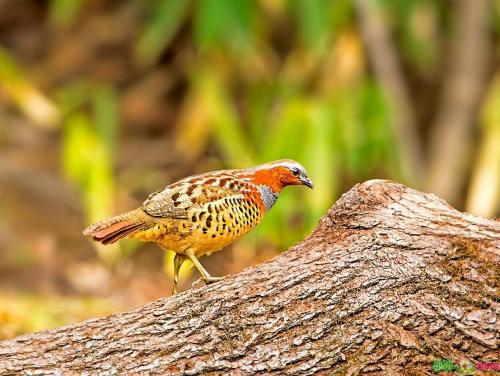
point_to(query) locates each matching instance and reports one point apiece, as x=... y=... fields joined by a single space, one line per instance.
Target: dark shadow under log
x=390 y=280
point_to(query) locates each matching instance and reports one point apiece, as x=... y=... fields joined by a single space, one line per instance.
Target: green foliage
x=166 y=19
x=418 y=24
x=89 y=145
x=264 y=79
x=234 y=143
x=64 y=12
x=340 y=133
x=28 y=99
x=335 y=135
x=106 y=117
x=218 y=24
x=312 y=18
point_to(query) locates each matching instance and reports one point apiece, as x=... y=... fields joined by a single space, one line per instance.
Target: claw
x=209 y=280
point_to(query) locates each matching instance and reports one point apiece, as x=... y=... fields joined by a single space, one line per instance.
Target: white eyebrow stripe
x=287 y=164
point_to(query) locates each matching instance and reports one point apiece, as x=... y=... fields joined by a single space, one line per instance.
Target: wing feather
x=162 y=204
x=175 y=200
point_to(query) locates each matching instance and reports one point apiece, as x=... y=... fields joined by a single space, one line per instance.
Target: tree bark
x=390 y=280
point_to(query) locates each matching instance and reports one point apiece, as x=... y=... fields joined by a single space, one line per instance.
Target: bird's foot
x=207 y=280
x=211 y=279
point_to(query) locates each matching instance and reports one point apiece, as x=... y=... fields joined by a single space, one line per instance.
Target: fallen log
x=389 y=281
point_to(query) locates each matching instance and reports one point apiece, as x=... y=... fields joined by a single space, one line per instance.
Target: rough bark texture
x=390 y=280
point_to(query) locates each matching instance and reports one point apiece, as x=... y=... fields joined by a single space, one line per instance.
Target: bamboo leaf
x=63 y=12
x=228 y=132
x=312 y=18
x=106 y=116
x=159 y=31
x=221 y=23
x=28 y=98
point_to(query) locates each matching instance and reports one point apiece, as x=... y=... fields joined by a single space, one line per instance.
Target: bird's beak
x=306 y=181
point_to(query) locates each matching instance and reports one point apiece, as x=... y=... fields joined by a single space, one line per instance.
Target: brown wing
x=175 y=200
x=164 y=204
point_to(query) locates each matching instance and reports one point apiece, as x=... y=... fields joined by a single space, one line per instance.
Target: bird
x=203 y=213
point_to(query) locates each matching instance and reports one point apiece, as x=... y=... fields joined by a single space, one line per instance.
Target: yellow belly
x=206 y=230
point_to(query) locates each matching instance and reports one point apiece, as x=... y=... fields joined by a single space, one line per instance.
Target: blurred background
x=105 y=101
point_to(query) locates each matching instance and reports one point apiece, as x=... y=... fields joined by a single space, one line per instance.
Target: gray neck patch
x=268 y=196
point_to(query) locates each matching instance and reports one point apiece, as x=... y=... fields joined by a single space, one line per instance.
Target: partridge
x=204 y=213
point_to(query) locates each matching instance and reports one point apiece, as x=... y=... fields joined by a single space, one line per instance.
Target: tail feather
x=115 y=228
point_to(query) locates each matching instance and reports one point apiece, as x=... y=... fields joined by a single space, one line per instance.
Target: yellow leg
x=178 y=260
x=205 y=276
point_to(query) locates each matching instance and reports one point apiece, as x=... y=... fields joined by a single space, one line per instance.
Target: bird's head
x=279 y=174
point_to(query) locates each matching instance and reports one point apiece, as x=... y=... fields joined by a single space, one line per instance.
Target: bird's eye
x=295 y=171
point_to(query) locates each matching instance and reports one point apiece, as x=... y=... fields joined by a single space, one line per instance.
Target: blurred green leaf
x=220 y=23
x=379 y=144
x=322 y=158
x=483 y=197
x=99 y=192
x=312 y=17
x=167 y=18
x=106 y=117
x=72 y=97
x=77 y=142
x=229 y=134
x=341 y=14
x=88 y=150
x=261 y=98
x=416 y=23
x=24 y=93
x=495 y=16
x=285 y=136
x=63 y=12
x=86 y=162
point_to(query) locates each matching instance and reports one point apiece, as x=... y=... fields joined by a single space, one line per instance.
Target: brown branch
x=390 y=280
